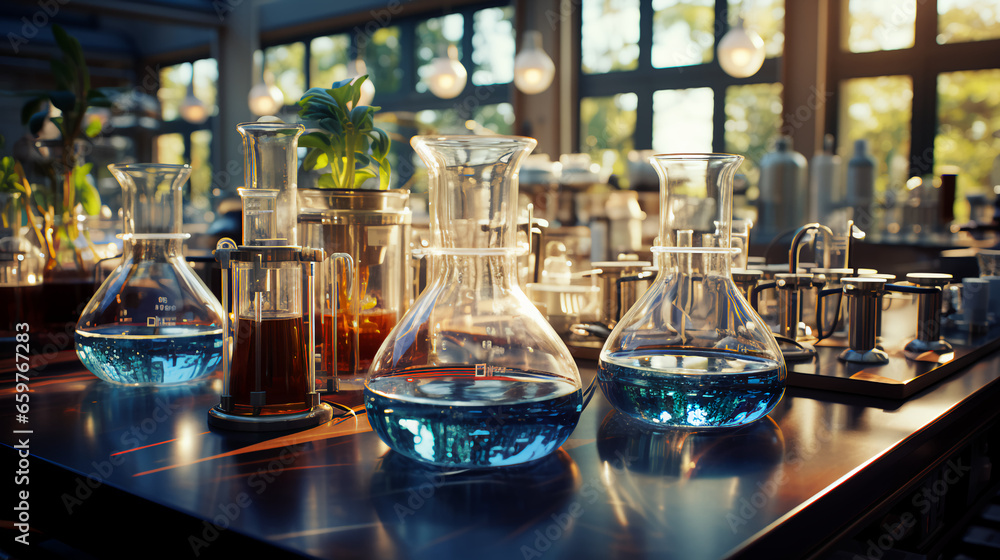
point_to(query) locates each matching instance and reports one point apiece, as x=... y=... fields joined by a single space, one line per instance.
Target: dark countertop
x=819 y=466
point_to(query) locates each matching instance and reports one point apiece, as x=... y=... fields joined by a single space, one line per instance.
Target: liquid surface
x=448 y=416
x=172 y=355
x=696 y=389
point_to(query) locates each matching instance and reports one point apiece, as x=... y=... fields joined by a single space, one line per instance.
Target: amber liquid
x=283 y=369
x=372 y=329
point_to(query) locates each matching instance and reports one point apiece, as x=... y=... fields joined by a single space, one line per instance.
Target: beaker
x=153 y=321
x=692 y=352
x=472 y=375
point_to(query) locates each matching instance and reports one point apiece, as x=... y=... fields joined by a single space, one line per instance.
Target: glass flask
x=692 y=352
x=153 y=321
x=269 y=380
x=472 y=375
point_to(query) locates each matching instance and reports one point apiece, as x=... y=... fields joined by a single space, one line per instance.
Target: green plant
x=347 y=140
x=69 y=183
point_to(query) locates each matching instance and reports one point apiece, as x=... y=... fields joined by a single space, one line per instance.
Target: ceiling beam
x=143 y=11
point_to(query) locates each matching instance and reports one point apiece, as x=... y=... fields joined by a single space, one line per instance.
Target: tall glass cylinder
x=692 y=352
x=472 y=375
x=271 y=162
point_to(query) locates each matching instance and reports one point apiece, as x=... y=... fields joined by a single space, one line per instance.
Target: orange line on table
x=331 y=429
x=143 y=447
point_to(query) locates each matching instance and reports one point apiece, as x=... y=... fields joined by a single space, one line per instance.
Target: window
x=967 y=20
x=968 y=118
x=397 y=58
x=328 y=59
x=878 y=110
x=682 y=32
x=649 y=80
x=611 y=36
x=286 y=63
x=918 y=79
x=880 y=26
x=493 y=46
x=184 y=142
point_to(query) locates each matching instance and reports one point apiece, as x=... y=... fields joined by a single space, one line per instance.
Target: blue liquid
x=188 y=353
x=449 y=417
x=694 y=389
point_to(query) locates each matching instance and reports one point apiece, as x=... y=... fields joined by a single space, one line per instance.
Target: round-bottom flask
x=153 y=321
x=692 y=352
x=472 y=375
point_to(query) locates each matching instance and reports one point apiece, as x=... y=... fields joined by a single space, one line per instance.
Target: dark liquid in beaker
x=457 y=416
x=372 y=329
x=668 y=387
x=283 y=347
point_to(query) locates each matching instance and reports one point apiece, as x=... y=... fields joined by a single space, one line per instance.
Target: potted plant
x=352 y=210
x=62 y=190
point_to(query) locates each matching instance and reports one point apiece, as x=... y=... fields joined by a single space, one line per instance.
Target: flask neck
x=152 y=249
x=489 y=275
x=152 y=199
x=473 y=189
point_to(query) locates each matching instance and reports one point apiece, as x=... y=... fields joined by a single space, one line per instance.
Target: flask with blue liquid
x=692 y=352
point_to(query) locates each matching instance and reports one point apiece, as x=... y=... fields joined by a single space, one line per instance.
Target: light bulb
x=533 y=69
x=741 y=52
x=447 y=76
x=265 y=99
x=193 y=110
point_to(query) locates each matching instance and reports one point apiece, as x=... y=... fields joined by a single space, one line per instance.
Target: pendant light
x=741 y=51
x=533 y=68
x=265 y=98
x=447 y=76
x=192 y=109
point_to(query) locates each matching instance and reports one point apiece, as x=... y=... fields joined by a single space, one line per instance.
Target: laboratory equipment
x=784 y=181
x=826 y=197
x=861 y=185
x=357 y=311
x=928 y=315
x=692 y=352
x=472 y=376
x=863 y=295
x=152 y=321
x=269 y=380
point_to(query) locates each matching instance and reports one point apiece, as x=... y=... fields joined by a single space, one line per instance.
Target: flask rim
x=148 y=166
x=479 y=141
x=696 y=156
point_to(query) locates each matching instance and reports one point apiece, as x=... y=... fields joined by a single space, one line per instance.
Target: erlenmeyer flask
x=472 y=375
x=692 y=351
x=153 y=321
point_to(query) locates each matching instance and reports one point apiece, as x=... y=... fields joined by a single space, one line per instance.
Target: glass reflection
x=439 y=513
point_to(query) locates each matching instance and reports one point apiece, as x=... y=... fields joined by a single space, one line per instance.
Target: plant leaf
x=94 y=127
x=326 y=182
x=314 y=140
x=31 y=107
x=65 y=101
x=87 y=195
x=37 y=121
